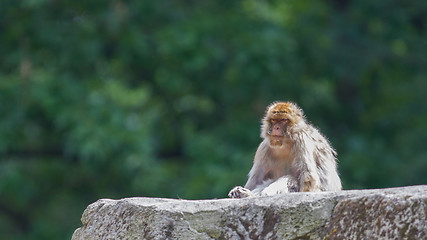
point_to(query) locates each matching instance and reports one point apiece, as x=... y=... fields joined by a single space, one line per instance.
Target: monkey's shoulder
x=307 y=132
x=310 y=136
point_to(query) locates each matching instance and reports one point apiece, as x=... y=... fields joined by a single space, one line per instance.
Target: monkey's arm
x=309 y=180
x=255 y=177
x=257 y=174
x=324 y=163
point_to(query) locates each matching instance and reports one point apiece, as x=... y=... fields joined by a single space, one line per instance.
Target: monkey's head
x=278 y=119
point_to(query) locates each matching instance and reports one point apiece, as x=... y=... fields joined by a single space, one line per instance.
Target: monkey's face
x=280 y=116
x=277 y=131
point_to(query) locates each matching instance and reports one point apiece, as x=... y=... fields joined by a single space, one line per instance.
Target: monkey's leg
x=284 y=184
x=240 y=192
x=309 y=183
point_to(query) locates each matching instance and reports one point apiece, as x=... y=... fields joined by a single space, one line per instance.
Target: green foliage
x=111 y=99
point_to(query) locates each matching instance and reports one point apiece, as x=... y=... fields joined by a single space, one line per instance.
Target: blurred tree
x=112 y=99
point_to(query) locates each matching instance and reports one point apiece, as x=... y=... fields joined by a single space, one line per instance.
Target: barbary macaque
x=293 y=156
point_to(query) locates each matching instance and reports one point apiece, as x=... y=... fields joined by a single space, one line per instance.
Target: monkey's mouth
x=276 y=141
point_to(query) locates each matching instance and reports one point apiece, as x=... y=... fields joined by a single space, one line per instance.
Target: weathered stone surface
x=395 y=213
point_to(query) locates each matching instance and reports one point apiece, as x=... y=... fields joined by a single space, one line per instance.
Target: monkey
x=292 y=157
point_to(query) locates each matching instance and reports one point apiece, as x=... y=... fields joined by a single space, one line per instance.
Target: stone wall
x=394 y=213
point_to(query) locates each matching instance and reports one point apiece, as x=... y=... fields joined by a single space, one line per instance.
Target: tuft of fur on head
x=281 y=110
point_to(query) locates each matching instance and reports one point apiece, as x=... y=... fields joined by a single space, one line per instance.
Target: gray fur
x=310 y=166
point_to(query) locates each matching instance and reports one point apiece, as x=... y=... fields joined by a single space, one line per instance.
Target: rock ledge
x=393 y=213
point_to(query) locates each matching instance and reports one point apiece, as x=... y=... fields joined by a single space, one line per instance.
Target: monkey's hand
x=240 y=192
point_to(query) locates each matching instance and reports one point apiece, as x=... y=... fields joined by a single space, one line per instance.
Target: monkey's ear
x=299 y=112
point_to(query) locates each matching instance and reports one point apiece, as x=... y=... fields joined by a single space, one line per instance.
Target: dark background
x=113 y=99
